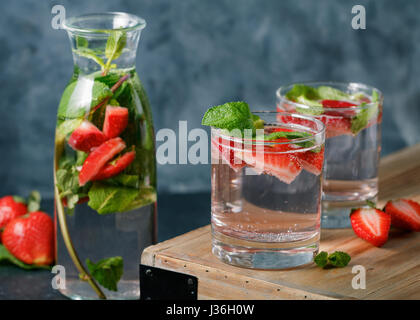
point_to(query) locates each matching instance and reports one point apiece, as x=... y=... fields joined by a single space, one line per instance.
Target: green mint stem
x=69 y=243
x=113 y=89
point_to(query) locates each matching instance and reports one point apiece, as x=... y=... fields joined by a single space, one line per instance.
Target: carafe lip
x=85 y=24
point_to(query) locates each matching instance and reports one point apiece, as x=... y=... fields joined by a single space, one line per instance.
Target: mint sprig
x=107 y=271
x=338 y=259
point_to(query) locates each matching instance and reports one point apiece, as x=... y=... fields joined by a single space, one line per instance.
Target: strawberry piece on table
x=30 y=238
x=116 y=120
x=10 y=209
x=312 y=161
x=284 y=166
x=85 y=137
x=98 y=158
x=225 y=149
x=112 y=169
x=371 y=225
x=404 y=213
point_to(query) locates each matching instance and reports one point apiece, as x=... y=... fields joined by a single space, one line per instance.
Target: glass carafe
x=105 y=165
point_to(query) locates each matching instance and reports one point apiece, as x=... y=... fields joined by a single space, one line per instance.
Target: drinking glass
x=266 y=194
x=352 y=149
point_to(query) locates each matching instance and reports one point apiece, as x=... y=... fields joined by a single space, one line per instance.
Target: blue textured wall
x=197 y=53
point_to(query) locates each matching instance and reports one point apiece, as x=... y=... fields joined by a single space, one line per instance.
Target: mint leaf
x=146 y=196
x=229 y=116
x=6 y=256
x=107 y=271
x=321 y=259
x=315 y=107
x=90 y=54
x=78 y=98
x=114 y=47
x=339 y=259
x=106 y=198
x=360 y=121
x=301 y=90
x=330 y=93
x=34 y=201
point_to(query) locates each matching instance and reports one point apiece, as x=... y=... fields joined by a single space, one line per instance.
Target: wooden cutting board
x=392 y=272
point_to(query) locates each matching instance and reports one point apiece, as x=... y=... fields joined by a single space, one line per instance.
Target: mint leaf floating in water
x=338 y=259
x=330 y=93
x=307 y=96
x=360 y=121
x=107 y=271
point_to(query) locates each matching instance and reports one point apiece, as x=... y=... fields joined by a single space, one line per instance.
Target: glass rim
x=281 y=94
x=70 y=24
x=316 y=134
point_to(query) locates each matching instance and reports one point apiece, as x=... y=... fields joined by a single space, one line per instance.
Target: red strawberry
x=86 y=137
x=10 y=209
x=404 y=213
x=111 y=170
x=98 y=158
x=312 y=161
x=336 y=125
x=30 y=238
x=116 y=120
x=225 y=149
x=371 y=225
x=284 y=166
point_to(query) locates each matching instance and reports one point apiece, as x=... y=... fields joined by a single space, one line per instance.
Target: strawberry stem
x=69 y=244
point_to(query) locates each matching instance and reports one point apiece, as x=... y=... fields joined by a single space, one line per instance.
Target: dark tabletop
x=177 y=214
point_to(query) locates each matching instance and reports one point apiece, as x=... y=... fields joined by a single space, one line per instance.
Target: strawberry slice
x=336 y=125
x=404 y=213
x=98 y=158
x=227 y=153
x=110 y=170
x=30 y=238
x=371 y=225
x=284 y=166
x=85 y=137
x=10 y=209
x=312 y=161
x=116 y=120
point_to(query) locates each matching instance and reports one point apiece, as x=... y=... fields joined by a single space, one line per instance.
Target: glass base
x=336 y=214
x=79 y=290
x=260 y=255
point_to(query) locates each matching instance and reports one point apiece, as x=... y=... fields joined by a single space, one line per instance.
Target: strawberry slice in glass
x=116 y=120
x=312 y=161
x=112 y=169
x=225 y=148
x=85 y=137
x=98 y=158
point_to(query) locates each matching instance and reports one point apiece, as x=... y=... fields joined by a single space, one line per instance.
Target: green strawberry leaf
x=321 y=259
x=106 y=198
x=6 y=256
x=19 y=199
x=339 y=259
x=34 y=201
x=107 y=271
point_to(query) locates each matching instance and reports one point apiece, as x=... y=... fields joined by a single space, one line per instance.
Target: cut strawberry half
x=224 y=149
x=112 y=169
x=371 y=225
x=336 y=125
x=98 y=158
x=404 y=213
x=85 y=137
x=312 y=161
x=116 y=120
x=284 y=166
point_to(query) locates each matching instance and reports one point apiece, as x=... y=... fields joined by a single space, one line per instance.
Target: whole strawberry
x=30 y=238
x=10 y=209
